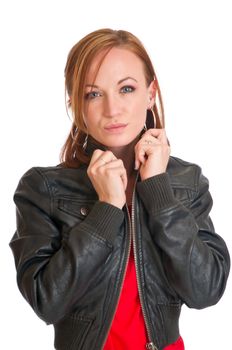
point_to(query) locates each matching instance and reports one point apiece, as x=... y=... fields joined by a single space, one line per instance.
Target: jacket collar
x=92 y=145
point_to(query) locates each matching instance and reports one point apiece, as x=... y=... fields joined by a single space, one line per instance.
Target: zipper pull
x=151 y=346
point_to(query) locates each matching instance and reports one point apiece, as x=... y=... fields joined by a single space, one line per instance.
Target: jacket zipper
x=123 y=278
x=150 y=345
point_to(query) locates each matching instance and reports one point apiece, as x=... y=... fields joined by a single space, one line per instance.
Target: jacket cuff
x=156 y=192
x=106 y=220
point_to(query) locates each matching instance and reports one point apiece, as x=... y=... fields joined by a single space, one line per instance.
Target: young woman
x=111 y=243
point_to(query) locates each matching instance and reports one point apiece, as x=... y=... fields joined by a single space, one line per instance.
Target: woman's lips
x=115 y=128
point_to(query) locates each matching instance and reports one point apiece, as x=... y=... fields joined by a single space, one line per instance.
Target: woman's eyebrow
x=119 y=82
x=122 y=80
x=92 y=86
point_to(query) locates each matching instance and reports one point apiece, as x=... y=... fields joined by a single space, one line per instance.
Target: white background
x=190 y=45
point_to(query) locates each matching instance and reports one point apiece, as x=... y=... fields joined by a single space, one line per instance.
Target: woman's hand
x=109 y=178
x=152 y=153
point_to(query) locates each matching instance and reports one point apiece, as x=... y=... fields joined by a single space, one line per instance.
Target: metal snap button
x=84 y=211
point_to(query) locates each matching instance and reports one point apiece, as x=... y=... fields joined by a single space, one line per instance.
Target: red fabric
x=128 y=330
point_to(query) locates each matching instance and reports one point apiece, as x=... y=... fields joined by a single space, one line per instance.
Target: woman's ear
x=152 y=94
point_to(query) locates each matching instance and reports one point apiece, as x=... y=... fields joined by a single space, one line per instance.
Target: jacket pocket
x=74 y=207
x=71 y=332
x=182 y=195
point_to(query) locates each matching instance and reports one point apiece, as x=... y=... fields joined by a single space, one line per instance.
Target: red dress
x=128 y=330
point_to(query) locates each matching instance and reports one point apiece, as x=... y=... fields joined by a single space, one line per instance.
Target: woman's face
x=116 y=100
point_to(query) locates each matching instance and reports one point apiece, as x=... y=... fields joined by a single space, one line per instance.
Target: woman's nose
x=111 y=106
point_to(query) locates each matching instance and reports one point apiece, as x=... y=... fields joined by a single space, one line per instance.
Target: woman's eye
x=92 y=94
x=127 y=89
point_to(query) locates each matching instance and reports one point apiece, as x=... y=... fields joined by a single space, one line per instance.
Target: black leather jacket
x=71 y=252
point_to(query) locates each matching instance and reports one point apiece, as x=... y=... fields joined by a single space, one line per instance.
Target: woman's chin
x=117 y=143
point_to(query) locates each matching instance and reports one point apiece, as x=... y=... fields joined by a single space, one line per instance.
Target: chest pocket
x=183 y=195
x=78 y=208
x=72 y=211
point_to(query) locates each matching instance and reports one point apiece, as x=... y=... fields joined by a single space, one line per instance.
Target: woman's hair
x=78 y=63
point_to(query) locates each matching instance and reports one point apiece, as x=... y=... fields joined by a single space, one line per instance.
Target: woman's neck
x=127 y=155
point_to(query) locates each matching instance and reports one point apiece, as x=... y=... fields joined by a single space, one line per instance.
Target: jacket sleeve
x=53 y=273
x=195 y=258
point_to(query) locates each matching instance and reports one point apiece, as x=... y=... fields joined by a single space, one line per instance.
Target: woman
x=110 y=243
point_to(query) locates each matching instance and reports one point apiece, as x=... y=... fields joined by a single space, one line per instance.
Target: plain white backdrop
x=190 y=45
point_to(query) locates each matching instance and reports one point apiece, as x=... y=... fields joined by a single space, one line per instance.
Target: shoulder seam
x=183 y=162
x=48 y=188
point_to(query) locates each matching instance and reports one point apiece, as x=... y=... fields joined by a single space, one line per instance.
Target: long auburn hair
x=78 y=63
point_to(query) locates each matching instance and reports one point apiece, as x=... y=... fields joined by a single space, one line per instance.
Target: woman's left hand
x=152 y=153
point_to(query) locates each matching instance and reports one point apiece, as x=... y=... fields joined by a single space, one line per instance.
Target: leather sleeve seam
x=49 y=190
x=190 y=259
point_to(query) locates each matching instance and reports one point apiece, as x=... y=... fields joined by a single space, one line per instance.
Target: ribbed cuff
x=106 y=220
x=156 y=192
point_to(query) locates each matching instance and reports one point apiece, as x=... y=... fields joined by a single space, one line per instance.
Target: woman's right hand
x=109 y=178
